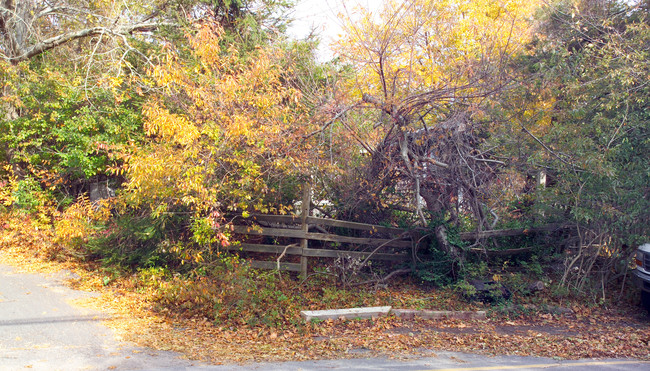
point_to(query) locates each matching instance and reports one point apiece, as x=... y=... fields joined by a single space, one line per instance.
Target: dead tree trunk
x=454 y=252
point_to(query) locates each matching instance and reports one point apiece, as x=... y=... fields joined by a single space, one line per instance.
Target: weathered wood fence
x=378 y=243
x=396 y=245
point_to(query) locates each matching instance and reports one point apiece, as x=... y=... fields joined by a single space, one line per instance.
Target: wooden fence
x=395 y=244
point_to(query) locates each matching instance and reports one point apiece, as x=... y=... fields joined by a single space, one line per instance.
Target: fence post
x=304 y=213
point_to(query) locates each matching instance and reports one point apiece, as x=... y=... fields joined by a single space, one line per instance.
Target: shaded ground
x=522 y=330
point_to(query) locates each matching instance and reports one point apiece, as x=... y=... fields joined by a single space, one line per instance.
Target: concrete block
x=350 y=313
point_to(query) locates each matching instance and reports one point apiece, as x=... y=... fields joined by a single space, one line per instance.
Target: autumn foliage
x=438 y=116
x=224 y=131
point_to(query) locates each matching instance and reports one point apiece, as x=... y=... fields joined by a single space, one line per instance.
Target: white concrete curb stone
x=350 y=313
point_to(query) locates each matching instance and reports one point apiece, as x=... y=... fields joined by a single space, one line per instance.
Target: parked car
x=642 y=273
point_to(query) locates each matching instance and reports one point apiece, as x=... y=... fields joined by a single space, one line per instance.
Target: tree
x=74 y=78
x=64 y=66
x=32 y=27
x=224 y=132
x=582 y=107
x=424 y=71
x=594 y=58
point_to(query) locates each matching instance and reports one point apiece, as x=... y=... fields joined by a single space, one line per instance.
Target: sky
x=322 y=16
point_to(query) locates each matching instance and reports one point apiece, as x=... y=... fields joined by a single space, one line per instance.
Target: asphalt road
x=41 y=330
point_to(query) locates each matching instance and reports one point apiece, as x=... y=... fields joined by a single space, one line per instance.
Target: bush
x=139 y=240
x=78 y=223
x=28 y=196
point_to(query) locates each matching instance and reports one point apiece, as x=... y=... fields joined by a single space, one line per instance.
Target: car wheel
x=645 y=300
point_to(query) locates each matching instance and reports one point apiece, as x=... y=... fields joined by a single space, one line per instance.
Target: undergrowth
x=228 y=292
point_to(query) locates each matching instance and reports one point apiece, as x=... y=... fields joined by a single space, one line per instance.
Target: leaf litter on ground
x=584 y=332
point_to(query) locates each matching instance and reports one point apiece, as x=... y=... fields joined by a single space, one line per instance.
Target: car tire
x=645 y=300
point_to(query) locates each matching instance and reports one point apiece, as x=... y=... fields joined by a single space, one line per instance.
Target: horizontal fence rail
x=316 y=253
x=327 y=237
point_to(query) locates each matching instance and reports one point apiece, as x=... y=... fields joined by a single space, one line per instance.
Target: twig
x=283 y=253
x=383 y=279
x=486 y=160
x=627 y=109
x=429 y=159
x=330 y=122
x=545 y=146
x=314 y=274
x=382 y=245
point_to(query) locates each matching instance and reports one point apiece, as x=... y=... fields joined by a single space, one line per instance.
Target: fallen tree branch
x=441 y=237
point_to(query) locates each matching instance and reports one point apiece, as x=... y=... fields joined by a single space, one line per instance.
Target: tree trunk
x=453 y=252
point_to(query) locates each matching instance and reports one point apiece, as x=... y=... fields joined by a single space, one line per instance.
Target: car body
x=642 y=273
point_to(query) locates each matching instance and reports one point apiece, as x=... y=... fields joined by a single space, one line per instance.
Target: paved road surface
x=39 y=330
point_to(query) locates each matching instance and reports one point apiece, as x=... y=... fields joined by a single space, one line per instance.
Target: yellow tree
x=422 y=46
x=222 y=131
x=426 y=70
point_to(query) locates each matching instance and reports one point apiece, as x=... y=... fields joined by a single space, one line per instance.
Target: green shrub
x=28 y=195
x=131 y=241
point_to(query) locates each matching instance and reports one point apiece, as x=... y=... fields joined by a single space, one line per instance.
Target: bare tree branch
x=58 y=40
